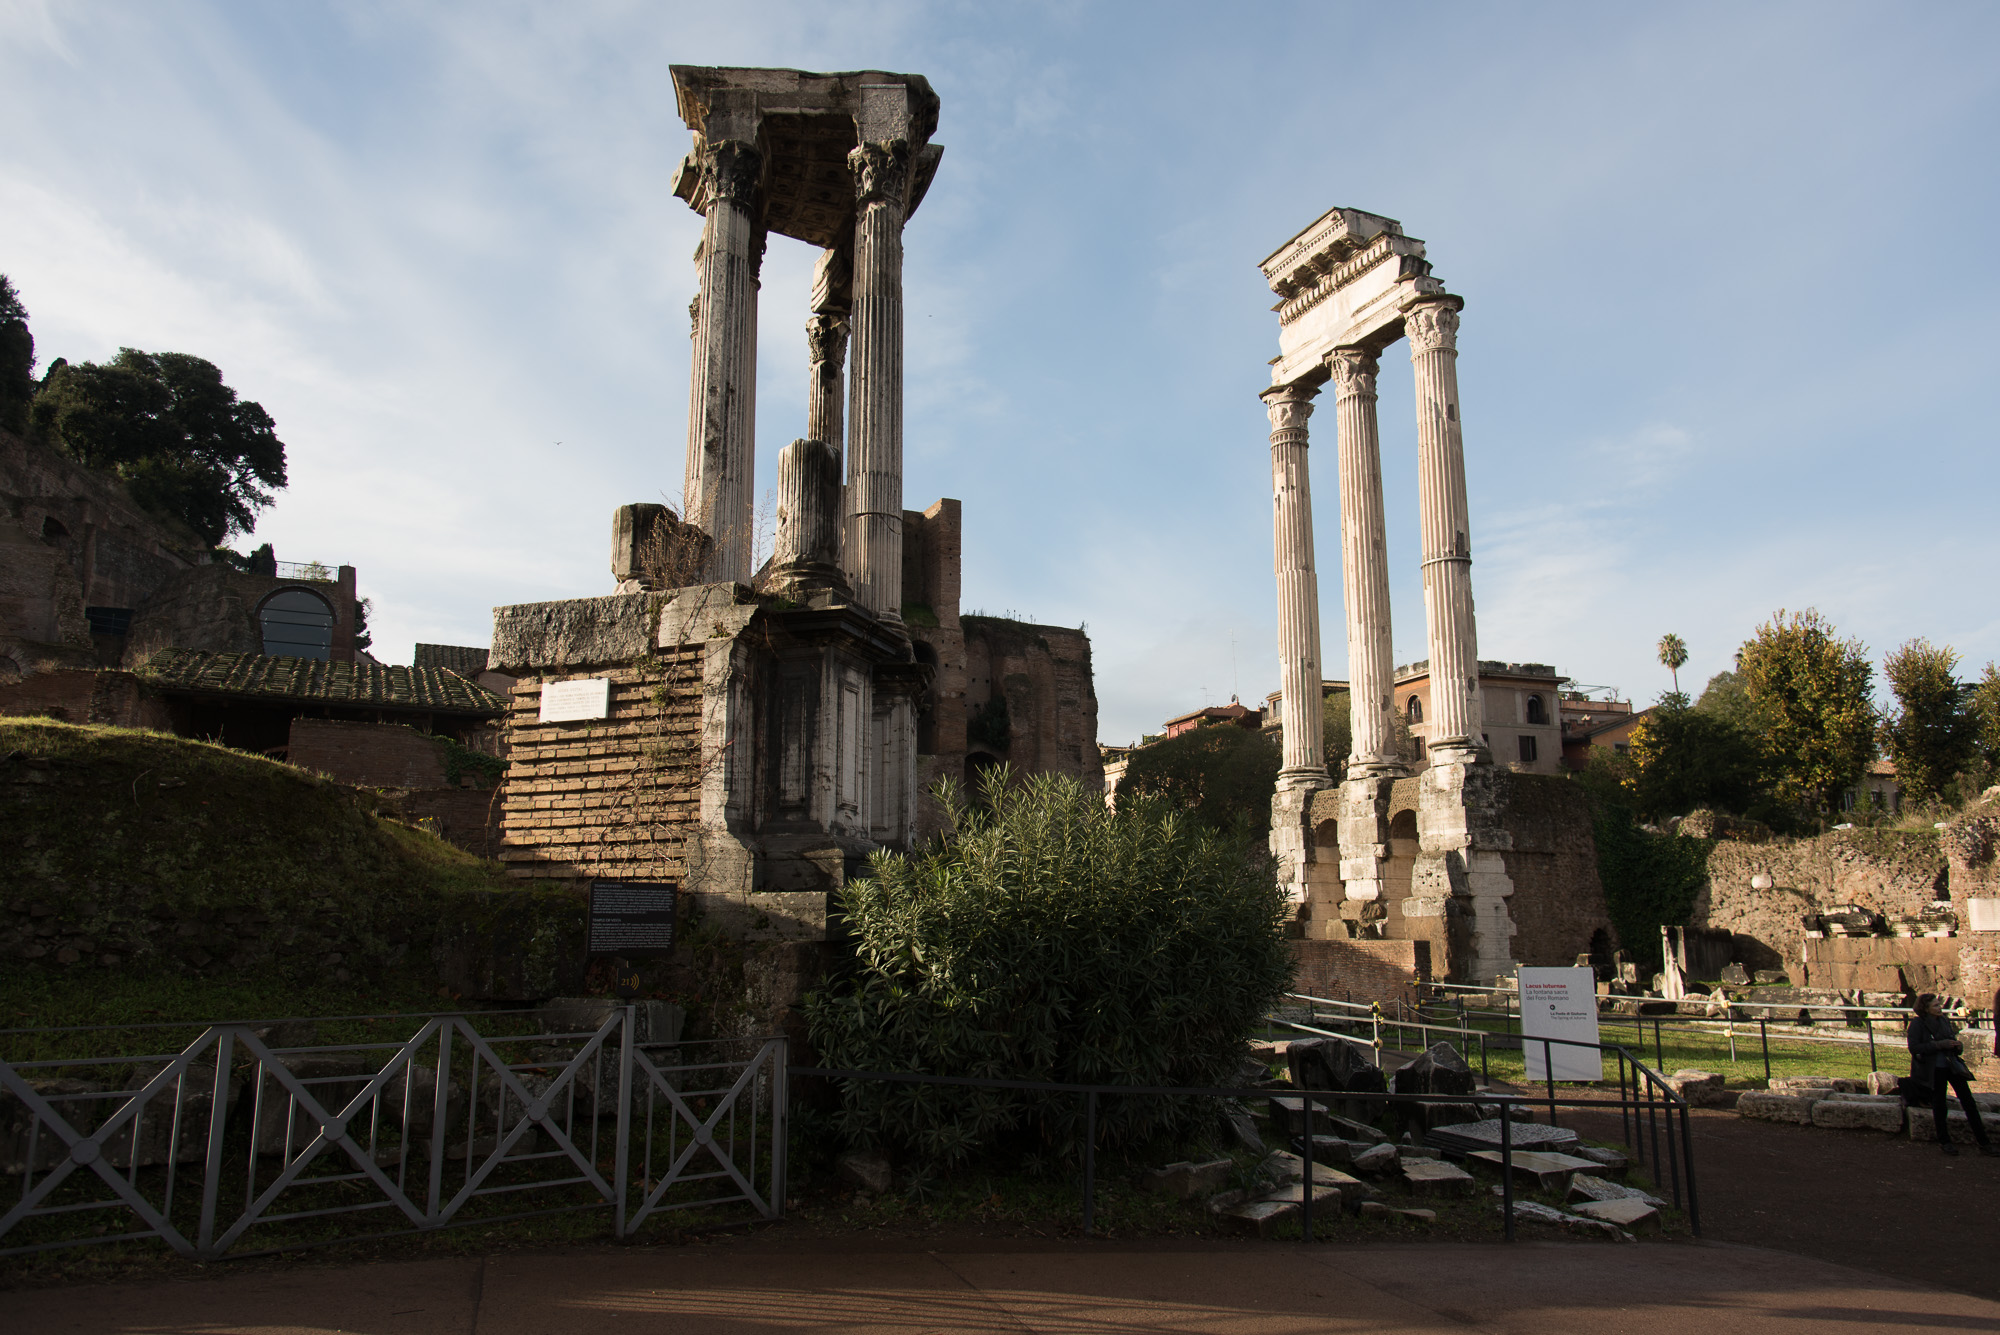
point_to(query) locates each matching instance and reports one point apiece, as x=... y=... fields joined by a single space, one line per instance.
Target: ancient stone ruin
x=753 y=734
x=1478 y=867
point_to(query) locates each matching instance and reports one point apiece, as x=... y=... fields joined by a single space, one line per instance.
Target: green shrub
x=1650 y=880
x=1049 y=938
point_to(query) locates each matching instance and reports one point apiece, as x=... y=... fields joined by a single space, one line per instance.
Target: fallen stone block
x=1817 y=1084
x=1585 y=1188
x=1295 y=1194
x=1375 y=1210
x=1328 y=1149
x=1703 y=1089
x=867 y=1169
x=1375 y=1159
x=1418 y=1216
x=1793 y=1108
x=1537 y=1212
x=1437 y=1070
x=1633 y=1215
x=1851 y=1114
x=1614 y=1162
x=1257 y=1219
x=1283 y=1167
x=1546 y=1171
x=1923 y=1127
x=1186 y=1180
x=1242 y=1129
x=1882 y=1082
x=1435 y=1177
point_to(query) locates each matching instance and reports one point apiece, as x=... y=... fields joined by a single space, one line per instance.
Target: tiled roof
x=462 y=659
x=257 y=676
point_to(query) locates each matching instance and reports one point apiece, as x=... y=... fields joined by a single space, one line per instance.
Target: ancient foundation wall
x=80 y=695
x=1558 y=900
x=1362 y=970
x=367 y=755
x=614 y=797
x=1895 y=873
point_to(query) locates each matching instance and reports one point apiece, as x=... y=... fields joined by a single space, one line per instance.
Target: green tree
x=1931 y=736
x=1337 y=731
x=1681 y=759
x=1984 y=704
x=1048 y=938
x=1810 y=691
x=1221 y=776
x=17 y=360
x=1674 y=653
x=1725 y=698
x=184 y=444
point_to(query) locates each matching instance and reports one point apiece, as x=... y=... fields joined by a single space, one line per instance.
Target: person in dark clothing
x=1935 y=1065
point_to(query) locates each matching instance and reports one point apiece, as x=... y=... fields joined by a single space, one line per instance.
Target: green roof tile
x=259 y=676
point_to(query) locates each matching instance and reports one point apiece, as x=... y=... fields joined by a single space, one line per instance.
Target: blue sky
x=1729 y=339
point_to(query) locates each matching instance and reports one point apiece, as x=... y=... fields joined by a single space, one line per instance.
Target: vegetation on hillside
x=140 y=854
x=1048 y=937
x=164 y=423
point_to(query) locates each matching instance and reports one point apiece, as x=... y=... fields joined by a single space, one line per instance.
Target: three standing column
x=1298 y=587
x=1432 y=329
x=873 y=543
x=1364 y=565
x=719 y=487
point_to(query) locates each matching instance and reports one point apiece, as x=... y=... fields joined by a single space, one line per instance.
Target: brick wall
x=467 y=817
x=611 y=797
x=76 y=695
x=367 y=755
x=1558 y=900
x=1360 y=970
x=1891 y=872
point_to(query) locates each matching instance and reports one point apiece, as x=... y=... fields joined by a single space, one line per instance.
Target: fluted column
x=1298 y=588
x=1451 y=629
x=719 y=487
x=826 y=351
x=1364 y=564
x=873 y=547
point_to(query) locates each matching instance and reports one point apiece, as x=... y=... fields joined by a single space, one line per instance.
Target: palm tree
x=1674 y=653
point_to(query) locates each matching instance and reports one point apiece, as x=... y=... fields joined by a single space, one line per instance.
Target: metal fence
x=240 y=1142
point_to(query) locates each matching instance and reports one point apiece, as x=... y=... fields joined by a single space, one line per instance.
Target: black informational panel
x=634 y=919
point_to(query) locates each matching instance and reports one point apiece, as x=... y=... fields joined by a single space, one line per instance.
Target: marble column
x=873 y=543
x=719 y=490
x=1452 y=633
x=826 y=352
x=1298 y=588
x=1364 y=565
x=806 y=554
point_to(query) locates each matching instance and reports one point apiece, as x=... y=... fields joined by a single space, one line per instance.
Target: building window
x=1419 y=743
x=297 y=624
x=1537 y=712
x=109 y=620
x=1527 y=750
x=1416 y=710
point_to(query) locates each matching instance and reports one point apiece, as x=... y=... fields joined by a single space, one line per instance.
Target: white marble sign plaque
x=1985 y=914
x=1560 y=1003
x=567 y=701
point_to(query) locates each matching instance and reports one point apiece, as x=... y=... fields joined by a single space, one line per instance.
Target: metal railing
x=238 y=1141
x=313 y=571
x=1726 y=1028
x=1659 y=1106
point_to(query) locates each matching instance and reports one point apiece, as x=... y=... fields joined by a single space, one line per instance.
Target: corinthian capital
x=1432 y=327
x=730 y=170
x=1289 y=406
x=881 y=171
x=1353 y=372
x=826 y=340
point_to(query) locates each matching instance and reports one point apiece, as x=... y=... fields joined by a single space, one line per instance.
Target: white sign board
x=567 y=701
x=1560 y=1003
x=1985 y=914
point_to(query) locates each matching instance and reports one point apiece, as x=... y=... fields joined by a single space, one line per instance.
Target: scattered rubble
x=867 y=1169
x=1186 y=1180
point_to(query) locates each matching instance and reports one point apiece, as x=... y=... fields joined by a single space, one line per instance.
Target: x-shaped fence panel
x=455 y=1123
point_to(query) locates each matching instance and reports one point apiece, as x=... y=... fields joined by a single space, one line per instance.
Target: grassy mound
x=137 y=853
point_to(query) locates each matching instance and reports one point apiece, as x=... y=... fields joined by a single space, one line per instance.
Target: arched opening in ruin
x=297 y=623
x=1397 y=872
x=977 y=763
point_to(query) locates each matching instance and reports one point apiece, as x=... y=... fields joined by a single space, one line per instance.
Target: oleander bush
x=1047 y=937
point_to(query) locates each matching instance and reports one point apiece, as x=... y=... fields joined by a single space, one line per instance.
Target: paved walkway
x=1530 y=1288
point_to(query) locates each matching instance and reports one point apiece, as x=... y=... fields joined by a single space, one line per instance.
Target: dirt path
x=1855 y=1198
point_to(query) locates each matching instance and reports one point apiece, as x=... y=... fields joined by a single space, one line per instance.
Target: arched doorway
x=297 y=623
